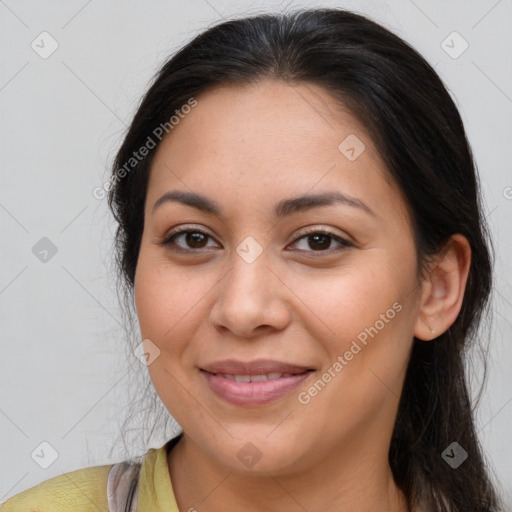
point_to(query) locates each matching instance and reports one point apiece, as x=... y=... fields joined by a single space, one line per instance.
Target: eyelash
x=168 y=241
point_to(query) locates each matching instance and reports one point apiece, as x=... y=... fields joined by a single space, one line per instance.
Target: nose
x=251 y=299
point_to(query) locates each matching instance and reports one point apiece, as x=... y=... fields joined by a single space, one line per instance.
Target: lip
x=252 y=394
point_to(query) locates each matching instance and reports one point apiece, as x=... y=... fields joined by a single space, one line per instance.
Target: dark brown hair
x=419 y=134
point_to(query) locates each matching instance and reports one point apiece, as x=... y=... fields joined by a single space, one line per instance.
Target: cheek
x=347 y=301
x=152 y=299
x=167 y=301
x=160 y=297
x=170 y=302
x=362 y=314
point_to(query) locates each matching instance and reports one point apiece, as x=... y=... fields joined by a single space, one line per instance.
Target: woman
x=300 y=227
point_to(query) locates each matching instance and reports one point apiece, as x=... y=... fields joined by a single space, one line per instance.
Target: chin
x=258 y=453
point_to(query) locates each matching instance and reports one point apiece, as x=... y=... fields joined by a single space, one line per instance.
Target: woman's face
x=294 y=269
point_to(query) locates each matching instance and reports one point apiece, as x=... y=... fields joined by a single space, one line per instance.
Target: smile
x=253 y=390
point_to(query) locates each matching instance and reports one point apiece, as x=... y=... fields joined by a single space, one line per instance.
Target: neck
x=347 y=480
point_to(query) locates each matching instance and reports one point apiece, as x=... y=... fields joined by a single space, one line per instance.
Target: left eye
x=321 y=241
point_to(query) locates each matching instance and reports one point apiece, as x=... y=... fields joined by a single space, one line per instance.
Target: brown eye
x=195 y=239
x=187 y=240
x=318 y=240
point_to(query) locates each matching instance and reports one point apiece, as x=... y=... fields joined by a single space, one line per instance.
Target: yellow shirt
x=85 y=489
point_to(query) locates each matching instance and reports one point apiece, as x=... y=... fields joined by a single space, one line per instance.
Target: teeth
x=255 y=378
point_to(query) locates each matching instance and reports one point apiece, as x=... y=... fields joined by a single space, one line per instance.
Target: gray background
x=63 y=376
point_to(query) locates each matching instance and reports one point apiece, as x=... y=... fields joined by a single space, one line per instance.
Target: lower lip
x=253 y=393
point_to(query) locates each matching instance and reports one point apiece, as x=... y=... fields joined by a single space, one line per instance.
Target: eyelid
x=308 y=230
x=187 y=227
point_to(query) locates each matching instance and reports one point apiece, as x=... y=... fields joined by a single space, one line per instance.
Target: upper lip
x=256 y=367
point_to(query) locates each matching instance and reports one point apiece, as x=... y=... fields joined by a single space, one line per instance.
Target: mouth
x=253 y=384
x=256 y=378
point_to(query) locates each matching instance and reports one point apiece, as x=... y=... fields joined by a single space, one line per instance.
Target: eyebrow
x=282 y=209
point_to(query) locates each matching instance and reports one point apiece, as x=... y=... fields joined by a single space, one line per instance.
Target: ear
x=443 y=288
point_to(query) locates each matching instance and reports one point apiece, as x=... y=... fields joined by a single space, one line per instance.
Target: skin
x=246 y=148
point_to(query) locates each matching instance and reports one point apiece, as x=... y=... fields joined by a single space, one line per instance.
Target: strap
x=123 y=486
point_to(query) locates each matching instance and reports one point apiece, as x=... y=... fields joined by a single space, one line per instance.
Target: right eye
x=191 y=239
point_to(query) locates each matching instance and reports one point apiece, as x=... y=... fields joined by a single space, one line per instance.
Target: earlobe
x=444 y=289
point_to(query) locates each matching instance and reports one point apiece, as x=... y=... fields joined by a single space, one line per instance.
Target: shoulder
x=80 y=490
x=103 y=488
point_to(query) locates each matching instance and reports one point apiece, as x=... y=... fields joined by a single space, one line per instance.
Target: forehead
x=270 y=139
x=269 y=114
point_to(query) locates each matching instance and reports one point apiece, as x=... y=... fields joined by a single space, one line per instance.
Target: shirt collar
x=155 y=488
